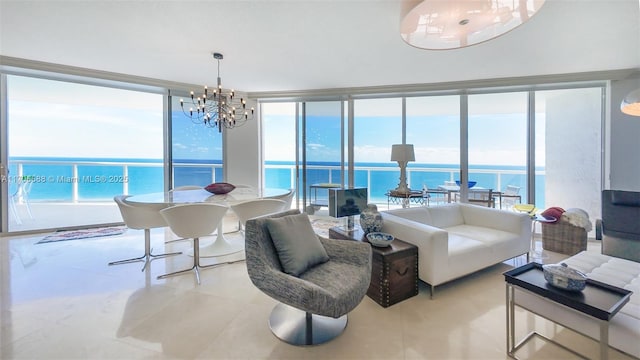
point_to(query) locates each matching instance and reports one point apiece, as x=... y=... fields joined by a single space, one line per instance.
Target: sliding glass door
x=433 y=127
x=196 y=150
x=72 y=147
x=377 y=126
x=321 y=145
x=279 y=132
x=498 y=143
x=540 y=147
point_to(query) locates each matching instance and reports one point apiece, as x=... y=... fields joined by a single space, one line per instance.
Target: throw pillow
x=553 y=212
x=577 y=217
x=297 y=245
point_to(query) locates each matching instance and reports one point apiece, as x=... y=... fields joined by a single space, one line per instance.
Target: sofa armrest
x=509 y=221
x=432 y=243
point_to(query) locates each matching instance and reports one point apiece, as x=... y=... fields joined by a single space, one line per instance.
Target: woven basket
x=563 y=237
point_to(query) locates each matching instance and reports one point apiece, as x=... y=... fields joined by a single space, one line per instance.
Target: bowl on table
x=470 y=184
x=564 y=277
x=380 y=239
x=219 y=188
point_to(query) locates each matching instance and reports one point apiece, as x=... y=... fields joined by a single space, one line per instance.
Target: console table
x=394 y=271
x=405 y=199
x=598 y=300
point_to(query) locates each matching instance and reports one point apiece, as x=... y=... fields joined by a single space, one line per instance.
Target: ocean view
x=99 y=179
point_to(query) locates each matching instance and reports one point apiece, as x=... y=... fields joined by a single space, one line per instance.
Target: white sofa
x=454 y=240
x=624 y=327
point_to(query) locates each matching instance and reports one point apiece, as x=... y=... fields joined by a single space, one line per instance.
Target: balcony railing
x=66 y=180
x=417 y=177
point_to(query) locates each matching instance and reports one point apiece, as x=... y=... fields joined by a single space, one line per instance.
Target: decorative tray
x=598 y=299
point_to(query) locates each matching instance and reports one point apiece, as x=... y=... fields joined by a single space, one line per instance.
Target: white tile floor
x=61 y=301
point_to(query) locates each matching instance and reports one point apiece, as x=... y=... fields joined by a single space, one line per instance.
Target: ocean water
x=386 y=176
x=58 y=179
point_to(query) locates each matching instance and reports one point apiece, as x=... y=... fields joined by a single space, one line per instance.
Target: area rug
x=63 y=235
x=322 y=225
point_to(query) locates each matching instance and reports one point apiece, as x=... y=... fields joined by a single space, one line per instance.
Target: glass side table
x=534 y=253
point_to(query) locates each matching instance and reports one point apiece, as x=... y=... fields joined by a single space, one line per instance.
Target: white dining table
x=220 y=245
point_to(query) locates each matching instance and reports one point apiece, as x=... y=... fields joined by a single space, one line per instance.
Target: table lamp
x=402 y=153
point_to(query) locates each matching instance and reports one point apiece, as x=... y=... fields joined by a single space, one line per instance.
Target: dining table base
x=219 y=247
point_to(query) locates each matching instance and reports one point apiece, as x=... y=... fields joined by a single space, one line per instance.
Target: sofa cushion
x=625 y=198
x=419 y=214
x=624 y=327
x=613 y=271
x=466 y=255
x=487 y=236
x=445 y=216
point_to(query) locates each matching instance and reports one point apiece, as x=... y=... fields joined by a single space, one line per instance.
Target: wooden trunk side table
x=394 y=270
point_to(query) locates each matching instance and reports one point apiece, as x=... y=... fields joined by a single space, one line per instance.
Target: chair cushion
x=297 y=245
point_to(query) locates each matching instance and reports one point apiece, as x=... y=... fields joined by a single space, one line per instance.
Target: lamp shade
x=450 y=24
x=402 y=152
x=631 y=103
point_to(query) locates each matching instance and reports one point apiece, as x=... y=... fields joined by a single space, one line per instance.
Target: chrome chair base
x=148 y=256
x=196 y=264
x=297 y=327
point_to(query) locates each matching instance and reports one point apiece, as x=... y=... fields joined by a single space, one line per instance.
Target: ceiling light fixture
x=451 y=24
x=631 y=103
x=217 y=109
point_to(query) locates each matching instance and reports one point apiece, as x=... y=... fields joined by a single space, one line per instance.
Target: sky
x=497 y=129
x=61 y=119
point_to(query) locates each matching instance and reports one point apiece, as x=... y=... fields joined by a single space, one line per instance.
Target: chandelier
x=217 y=109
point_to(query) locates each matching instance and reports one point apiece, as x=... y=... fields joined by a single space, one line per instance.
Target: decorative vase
x=370 y=219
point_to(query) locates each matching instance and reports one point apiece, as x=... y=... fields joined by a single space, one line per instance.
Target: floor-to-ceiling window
x=279 y=145
x=72 y=147
x=377 y=126
x=321 y=139
x=498 y=143
x=196 y=150
x=497 y=134
x=433 y=127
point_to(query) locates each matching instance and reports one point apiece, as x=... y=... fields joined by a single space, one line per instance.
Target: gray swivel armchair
x=318 y=299
x=619 y=228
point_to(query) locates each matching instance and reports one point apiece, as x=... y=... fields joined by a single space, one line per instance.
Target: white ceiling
x=277 y=45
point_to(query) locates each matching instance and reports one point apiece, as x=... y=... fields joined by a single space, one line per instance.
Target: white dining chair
x=141 y=217
x=193 y=221
x=287 y=198
x=21 y=196
x=253 y=208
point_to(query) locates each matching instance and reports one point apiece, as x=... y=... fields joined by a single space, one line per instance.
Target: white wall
x=573 y=150
x=624 y=155
x=241 y=152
